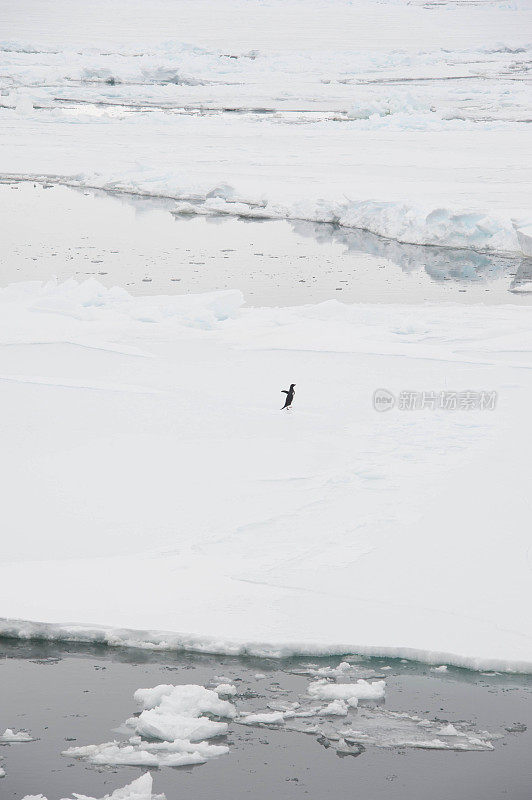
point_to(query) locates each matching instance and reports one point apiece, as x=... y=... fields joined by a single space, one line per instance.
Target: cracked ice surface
x=419 y=134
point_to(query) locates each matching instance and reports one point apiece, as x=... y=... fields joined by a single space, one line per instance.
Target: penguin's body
x=289 y=396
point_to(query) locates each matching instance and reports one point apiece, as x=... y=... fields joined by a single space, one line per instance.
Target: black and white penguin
x=289 y=396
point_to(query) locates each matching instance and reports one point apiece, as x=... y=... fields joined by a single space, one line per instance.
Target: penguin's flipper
x=284 y=391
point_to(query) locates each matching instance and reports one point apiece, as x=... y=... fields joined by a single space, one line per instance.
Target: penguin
x=289 y=396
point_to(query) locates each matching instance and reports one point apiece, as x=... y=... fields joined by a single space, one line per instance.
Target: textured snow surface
x=139 y=789
x=174 y=506
x=407 y=119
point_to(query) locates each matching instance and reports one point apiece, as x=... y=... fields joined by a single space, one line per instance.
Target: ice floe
x=265 y=718
x=174 y=715
x=423 y=79
x=383 y=728
x=10 y=735
x=336 y=708
x=191 y=402
x=356 y=717
x=351 y=693
x=226 y=689
x=139 y=789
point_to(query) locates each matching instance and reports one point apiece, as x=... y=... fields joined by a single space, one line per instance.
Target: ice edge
x=198 y=205
x=183 y=642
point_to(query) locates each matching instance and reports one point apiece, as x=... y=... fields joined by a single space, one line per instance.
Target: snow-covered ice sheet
x=189 y=512
x=410 y=120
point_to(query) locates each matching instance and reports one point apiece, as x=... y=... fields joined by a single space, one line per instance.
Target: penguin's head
x=292 y=385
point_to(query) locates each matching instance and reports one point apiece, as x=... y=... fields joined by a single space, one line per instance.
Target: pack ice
x=156 y=496
x=139 y=789
x=174 y=716
x=409 y=120
x=15 y=736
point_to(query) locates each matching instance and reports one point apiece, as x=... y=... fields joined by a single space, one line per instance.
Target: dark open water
x=76 y=692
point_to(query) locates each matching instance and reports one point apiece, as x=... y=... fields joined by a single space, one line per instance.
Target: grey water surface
x=67 y=694
x=139 y=243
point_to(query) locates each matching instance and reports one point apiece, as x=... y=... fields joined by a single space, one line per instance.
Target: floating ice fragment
x=12 y=736
x=383 y=728
x=449 y=730
x=188 y=700
x=343 y=669
x=267 y=718
x=226 y=689
x=336 y=708
x=350 y=692
x=139 y=789
x=148 y=754
x=173 y=715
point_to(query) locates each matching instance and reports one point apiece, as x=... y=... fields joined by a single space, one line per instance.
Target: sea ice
x=139 y=789
x=174 y=715
x=337 y=708
x=347 y=725
x=71 y=97
x=344 y=669
x=158 y=400
x=16 y=736
x=265 y=718
x=382 y=728
x=226 y=689
x=351 y=693
x=184 y=700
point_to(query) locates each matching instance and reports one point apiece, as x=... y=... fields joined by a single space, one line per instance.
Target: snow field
x=326 y=531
